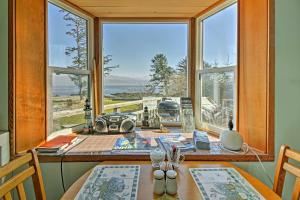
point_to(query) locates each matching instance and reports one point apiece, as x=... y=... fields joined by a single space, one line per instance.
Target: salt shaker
x=171 y=183
x=159 y=182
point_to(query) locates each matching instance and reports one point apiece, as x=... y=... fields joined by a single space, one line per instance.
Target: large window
x=68 y=67
x=218 y=63
x=143 y=65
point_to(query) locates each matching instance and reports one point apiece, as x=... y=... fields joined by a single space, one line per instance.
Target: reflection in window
x=219 y=62
x=68 y=100
x=68 y=72
x=217 y=100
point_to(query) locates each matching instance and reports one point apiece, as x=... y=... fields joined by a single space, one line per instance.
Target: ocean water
x=112 y=89
x=108 y=90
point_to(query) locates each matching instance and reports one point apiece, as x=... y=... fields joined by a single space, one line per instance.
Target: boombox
x=115 y=123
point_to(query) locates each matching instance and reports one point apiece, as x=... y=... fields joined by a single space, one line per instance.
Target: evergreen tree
x=79 y=51
x=108 y=69
x=160 y=74
x=178 y=82
x=182 y=66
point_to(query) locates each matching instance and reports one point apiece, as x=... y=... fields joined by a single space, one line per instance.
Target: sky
x=220 y=37
x=132 y=46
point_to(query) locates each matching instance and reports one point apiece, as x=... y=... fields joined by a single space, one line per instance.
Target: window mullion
x=217 y=70
x=60 y=70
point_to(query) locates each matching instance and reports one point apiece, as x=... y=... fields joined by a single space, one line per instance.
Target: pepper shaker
x=171 y=183
x=159 y=182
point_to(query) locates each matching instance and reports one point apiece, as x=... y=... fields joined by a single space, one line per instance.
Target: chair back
x=16 y=181
x=284 y=166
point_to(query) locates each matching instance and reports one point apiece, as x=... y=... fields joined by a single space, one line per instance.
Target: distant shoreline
x=108 y=90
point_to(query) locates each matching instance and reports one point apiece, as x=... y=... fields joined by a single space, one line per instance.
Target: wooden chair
x=16 y=181
x=282 y=167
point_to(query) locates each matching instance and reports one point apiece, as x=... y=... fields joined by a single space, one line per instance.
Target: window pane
x=144 y=63
x=220 y=38
x=68 y=95
x=67 y=39
x=218 y=99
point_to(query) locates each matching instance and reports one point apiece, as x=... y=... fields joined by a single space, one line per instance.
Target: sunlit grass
x=79 y=118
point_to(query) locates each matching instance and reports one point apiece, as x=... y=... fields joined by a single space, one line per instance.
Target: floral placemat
x=223 y=184
x=111 y=182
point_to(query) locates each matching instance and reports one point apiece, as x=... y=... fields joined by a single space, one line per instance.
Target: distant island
x=114 y=80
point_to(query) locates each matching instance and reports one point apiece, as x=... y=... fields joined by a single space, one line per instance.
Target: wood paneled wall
x=27 y=73
x=256 y=73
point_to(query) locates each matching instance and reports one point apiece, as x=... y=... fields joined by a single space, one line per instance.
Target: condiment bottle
x=159 y=182
x=171 y=183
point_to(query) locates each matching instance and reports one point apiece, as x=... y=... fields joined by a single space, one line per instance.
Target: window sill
x=99 y=156
x=96 y=148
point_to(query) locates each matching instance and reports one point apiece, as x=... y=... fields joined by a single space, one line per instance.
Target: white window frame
x=60 y=70
x=200 y=70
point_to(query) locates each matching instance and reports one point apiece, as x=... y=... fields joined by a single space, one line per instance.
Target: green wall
x=287 y=98
x=3 y=64
x=287 y=86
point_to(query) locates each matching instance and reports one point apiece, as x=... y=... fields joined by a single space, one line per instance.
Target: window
x=28 y=65
x=143 y=65
x=218 y=64
x=69 y=80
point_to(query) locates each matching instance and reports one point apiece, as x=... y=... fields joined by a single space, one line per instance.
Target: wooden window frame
x=112 y=20
x=20 y=29
x=268 y=14
x=255 y=123
x=200 y=70
x=61 y=70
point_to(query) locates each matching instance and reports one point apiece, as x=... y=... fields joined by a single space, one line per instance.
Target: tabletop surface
x=187 y=188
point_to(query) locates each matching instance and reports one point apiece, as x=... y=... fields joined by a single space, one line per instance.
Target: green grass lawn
x=79 y=118
x=130 y=108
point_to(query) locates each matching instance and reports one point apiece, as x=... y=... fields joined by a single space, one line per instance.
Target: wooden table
x=187 y=189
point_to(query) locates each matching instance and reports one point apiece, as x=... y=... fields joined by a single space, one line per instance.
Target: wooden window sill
x=99 y=157
x=95 y=148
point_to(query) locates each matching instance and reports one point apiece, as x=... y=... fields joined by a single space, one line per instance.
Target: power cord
x=61 y=172
x=262 y=166
x=61 y=161
x=244 y=150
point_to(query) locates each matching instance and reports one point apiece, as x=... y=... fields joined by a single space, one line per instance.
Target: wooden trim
x=271 y=79
x=192 y=61
x=237 y=72
x=104 y=20
x=11 y=76
x=46 y=75
x=211 y=7
x=96 y=69
x=68 y=3
x=256 y=74
x=145 y=157
x=144 y=19
x=27 y=83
